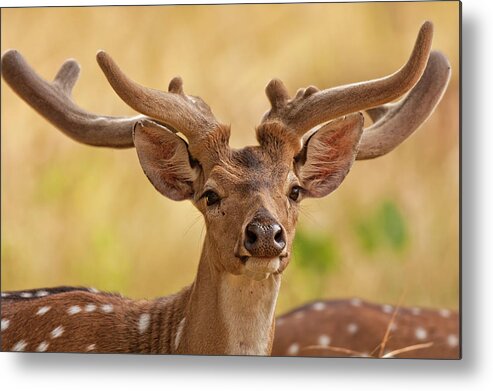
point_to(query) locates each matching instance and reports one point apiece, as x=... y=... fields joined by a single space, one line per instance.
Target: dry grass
x=344 y=352
x=84 y=216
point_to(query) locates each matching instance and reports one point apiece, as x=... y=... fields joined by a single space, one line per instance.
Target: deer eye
x=211 y=197
x=295 y=193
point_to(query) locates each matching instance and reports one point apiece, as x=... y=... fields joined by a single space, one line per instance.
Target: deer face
x=250 y=211
x=249 y=197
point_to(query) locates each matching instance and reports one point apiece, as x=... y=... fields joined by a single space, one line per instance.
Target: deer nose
x=264 y=240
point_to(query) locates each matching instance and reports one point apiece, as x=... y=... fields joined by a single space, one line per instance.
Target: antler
x=189 y=115
x=53 y=101
x=186 y=114
x=311 y=107
x=394 y=122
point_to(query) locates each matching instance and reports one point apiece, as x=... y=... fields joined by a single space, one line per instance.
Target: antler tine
x=394 y=122
x=67 y=76
x=313 y=107
x=188 y=115
x=277 y=93
x=53 y=102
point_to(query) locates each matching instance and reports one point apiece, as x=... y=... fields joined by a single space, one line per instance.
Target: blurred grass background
x=76 y=215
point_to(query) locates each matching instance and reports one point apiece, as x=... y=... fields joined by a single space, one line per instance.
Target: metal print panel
x=333 y=232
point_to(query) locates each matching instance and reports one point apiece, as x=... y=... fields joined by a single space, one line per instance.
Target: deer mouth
x=260 y=268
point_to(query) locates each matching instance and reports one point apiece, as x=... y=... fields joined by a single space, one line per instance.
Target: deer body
x=101 y=322
x=91 y=322
x=249 y=198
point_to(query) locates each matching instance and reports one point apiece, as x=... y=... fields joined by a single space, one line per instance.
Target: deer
x=357 y=328
x=249 y=199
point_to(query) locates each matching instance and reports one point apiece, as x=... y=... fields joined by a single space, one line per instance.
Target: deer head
x=249 y=197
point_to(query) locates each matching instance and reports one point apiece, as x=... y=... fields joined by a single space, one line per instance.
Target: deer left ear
x=165 y=160
x=328 y=155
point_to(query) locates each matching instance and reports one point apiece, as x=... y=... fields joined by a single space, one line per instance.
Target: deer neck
x=226 y=313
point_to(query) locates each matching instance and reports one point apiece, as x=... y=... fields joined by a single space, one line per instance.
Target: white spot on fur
x=43 y=310
x=107 y=308
x=421 y=333
x=319 y=306
x=5 y=324
x=352 y=328
x=41 y=293
x=324 y=340
x=90 y=307
x=387 y=308
x=90 y=347
x=42 y=346
x=444 y=313
x=144 y=321
x=57 y=332
x=415 y=311
x=93 y=290
x=355 y=302
x=452 y=340
x=26 y=295
x=293 y=349
x=4 y=294
x=19 y=346
x=179 y=331
x=393 y=326
x=75 y=309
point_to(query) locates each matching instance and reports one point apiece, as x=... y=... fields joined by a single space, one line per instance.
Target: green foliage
x=366 y=235
x=384 y=228
x=315 y=253
x=393 y=225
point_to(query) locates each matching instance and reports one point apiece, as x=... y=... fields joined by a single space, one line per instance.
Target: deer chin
x=261 y=268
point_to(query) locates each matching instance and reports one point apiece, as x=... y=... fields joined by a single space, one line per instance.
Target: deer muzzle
x=264 y=240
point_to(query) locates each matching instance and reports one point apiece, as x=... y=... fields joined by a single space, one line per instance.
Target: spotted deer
x=356 y=328
x=249 y=199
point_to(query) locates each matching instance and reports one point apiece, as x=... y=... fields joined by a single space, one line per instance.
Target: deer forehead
x=250 y=169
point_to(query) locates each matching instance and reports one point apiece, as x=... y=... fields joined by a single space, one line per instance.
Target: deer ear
x=165 y=160
x=328 y=155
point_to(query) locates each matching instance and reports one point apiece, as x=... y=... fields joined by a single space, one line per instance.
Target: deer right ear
x=328 y=155
x=165 y=160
